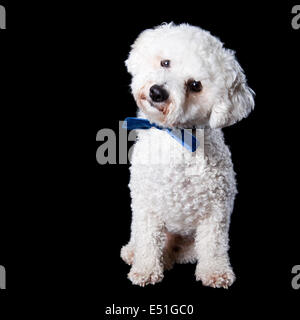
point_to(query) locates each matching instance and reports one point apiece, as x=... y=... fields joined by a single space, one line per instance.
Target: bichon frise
x=183 y=78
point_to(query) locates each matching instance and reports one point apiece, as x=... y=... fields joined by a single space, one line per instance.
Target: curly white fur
x=180 y=217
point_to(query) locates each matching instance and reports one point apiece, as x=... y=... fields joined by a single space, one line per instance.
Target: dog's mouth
x=162 y=108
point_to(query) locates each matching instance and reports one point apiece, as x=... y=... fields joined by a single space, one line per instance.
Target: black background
x=63 y=70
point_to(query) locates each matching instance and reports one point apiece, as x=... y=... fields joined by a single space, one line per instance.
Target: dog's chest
x=171 y=179
x=157 y=147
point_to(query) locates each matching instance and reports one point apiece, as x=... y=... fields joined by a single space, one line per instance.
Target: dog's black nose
x=158 y=93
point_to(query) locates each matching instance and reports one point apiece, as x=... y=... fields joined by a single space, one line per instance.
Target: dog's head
x=182 y=76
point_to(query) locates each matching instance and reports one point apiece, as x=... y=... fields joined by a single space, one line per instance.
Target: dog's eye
x=165 y=63
x=194 y=85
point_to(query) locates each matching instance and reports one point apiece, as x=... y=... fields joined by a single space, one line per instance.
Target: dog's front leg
x=147 y=266
x=211 y=245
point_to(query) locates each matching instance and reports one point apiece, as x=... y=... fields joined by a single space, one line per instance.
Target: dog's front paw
x=142 y=277
x=127 y=254
x=216 y=278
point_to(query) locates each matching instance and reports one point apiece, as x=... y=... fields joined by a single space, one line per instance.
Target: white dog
x=183 y=77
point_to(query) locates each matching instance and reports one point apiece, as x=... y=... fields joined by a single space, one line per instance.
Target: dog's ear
x=237 y=100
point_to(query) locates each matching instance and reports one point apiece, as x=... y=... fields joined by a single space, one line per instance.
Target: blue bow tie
x=184 y=137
